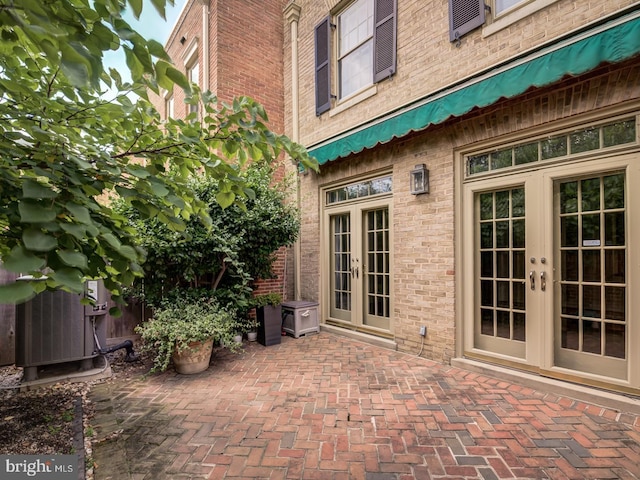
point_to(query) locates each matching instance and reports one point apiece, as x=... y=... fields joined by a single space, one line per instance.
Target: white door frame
x=356 y=210
x=539 y=194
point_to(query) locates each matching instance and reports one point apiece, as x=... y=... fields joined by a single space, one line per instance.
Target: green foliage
x=183 y=320
x=66 y=150
x=271 y=299
x=225 y=259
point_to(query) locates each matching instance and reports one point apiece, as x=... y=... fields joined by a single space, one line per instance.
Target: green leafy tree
x=222 y=261
x=65 y=151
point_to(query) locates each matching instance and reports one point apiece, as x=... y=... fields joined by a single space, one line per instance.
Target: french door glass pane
x=341 y=231
x=614 y=303
x=614 y=229
x=519 y=326
x=590 y=194
x=378 y=265
x=614 y=191
x=501 y=229
x=569 y=265
x=615 y=340
x=614 y=261
x=593 y=269
x=569 y=197
x=569 y=231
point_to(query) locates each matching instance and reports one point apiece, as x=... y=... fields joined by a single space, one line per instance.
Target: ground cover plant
x=39 y=421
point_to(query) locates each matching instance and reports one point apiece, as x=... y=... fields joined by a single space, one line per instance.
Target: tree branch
x=153 y=151
x=223 y=269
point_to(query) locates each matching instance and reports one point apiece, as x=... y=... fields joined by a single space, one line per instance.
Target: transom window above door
x=558 y=147
x=354 y=191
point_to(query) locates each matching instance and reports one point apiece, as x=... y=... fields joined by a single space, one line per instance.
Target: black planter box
x=269 y=325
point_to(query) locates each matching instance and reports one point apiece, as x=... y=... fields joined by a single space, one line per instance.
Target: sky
x=151 y=26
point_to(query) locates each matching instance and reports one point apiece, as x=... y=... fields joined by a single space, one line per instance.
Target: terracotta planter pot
x=195 y=359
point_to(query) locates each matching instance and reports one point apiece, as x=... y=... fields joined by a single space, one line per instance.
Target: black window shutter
x=323 y=67
x=464 y=16
x=384 y=39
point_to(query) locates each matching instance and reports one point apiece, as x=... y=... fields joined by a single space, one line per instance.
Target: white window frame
x=192 y=68
x=354 y=49
x=169 y=106
x=193 y=72
x=513 y=14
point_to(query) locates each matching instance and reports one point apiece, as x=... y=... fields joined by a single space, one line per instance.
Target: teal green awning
x=612 y=42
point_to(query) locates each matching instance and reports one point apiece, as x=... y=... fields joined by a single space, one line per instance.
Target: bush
x=272 y=299
x=183 y=320
x=226 y=259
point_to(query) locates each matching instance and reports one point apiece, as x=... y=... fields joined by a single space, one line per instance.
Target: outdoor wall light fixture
x=419 y=180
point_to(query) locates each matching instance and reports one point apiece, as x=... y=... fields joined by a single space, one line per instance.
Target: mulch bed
x=52 y=420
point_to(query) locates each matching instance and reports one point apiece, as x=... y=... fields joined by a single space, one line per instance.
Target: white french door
x=359 y=258
x=591 y=327
x=551 y=261
x=501 y=238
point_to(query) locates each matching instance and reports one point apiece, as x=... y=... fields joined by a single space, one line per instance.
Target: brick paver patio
x=326 y=407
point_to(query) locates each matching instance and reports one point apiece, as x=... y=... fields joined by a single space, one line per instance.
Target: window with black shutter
x=464 y=16
x=323 y=67
x=365 y=32
x=384 y=39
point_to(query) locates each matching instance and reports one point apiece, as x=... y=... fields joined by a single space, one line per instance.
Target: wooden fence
x=7 y=325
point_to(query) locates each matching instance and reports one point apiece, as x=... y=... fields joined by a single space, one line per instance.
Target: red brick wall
x=245 y=52
x=250 y=62
x=250 y=51
x=245 y=58
x=189 y=28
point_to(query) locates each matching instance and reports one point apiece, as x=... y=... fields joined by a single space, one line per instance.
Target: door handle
x=543 y=281
x=532 y=279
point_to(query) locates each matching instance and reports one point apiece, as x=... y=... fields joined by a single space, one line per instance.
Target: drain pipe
x=205 y=45
x=292 y=14
x=130 y=356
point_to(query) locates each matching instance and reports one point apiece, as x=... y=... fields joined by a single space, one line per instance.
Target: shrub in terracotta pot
x=180 y=327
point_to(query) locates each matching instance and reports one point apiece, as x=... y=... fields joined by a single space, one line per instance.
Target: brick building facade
x=522 y=115
x=233 y=48
x=523 y=252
